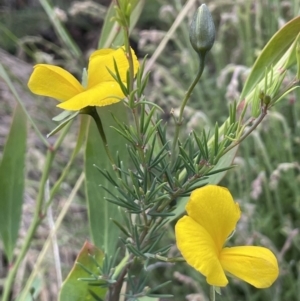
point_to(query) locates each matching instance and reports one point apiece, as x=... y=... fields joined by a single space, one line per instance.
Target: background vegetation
x=266 y=178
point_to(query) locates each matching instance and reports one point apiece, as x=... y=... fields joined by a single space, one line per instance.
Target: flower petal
x=103 y=94
x=199 y=250
x=103 y=59
x=213 y=208
x=255 y=265
x=53 y=81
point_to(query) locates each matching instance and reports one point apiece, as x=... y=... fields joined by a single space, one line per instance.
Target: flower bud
x=202 y=30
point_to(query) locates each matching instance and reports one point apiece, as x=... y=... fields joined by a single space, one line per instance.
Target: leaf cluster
x=148 y=189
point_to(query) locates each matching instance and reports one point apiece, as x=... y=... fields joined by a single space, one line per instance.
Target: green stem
x=120 y=273
x=250 y=130
x=92 y=111
x=134 y=108
x=37 y=218
x=131 y=78
x=62 y=136
x=212 y=293
x=137 y=122
x=183 y=104
x=130 y=59
x=166 y=259
x=65 y=171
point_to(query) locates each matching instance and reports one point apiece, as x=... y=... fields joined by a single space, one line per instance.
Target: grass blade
x=12 y=181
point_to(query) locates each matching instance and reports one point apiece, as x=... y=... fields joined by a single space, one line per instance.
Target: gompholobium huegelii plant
x=147 y=180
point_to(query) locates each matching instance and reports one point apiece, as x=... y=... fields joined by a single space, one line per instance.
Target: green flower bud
x=202 y=30
x=267 y=99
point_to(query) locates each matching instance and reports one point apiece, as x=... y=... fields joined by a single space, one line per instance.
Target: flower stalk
x=179 y=120
x=92 y=111
x=212 y=293
x=202 y=37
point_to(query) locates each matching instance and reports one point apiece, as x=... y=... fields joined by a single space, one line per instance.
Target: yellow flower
x=212 y=217
x=101 y=90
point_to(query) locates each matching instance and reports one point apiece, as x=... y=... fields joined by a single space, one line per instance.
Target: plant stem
x=250 y=130
x=130 y=81
x=65 y=171
x=92 y=111
x=183 y=104
x=167 y=259
x=130 y=59
x=212 y=293
x=114 y=291
x=62 y=136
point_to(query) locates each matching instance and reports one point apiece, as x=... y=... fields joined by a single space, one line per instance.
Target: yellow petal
x=53 y=81
x=199 y=250
x=255 y=265
x=103 y=59
x=103 y=94
x=213 y=208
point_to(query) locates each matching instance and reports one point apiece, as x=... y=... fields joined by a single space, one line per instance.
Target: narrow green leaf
x=286 y=93
x=146 y=298
x=224 y=162
x=5 y=76
x=298 y=59
x=12 y=181
x=216 y=144
x=100 y=211
x=36 y=288
x=62 y=34
x=111 y=33
x=104 y=232
x=271 y=53
x=77 y=290
x=63 y=124
x=109 y=28
x=63 y=115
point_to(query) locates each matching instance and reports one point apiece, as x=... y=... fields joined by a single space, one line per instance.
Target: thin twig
x=260 y=118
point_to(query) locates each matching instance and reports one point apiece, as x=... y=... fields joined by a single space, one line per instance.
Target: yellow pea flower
x=101 y=90
x=200 y=236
